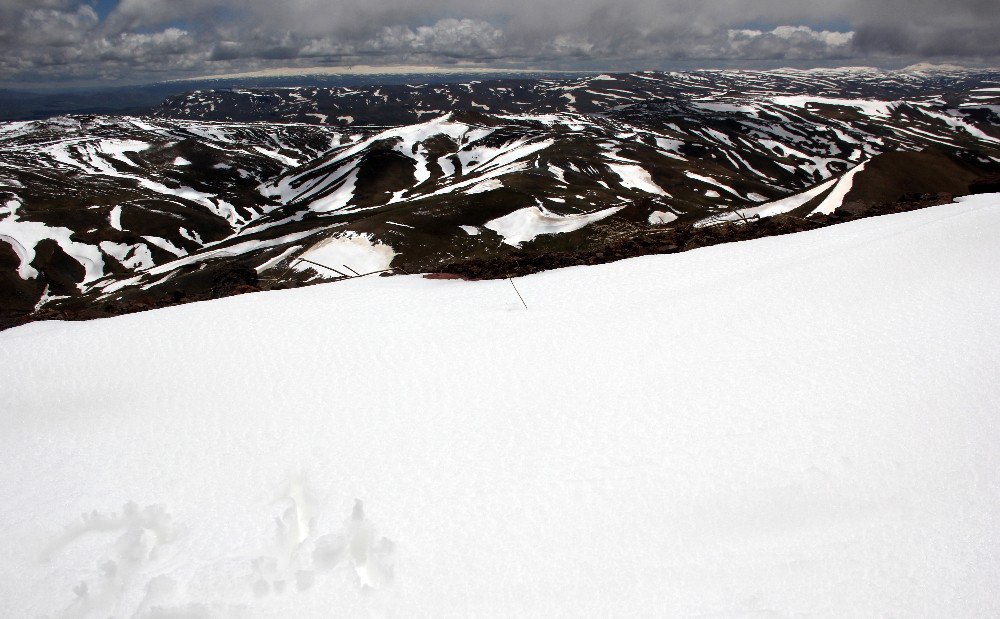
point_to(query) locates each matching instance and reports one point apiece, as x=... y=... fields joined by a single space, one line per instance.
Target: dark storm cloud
x=150 y=39
x=927 y=28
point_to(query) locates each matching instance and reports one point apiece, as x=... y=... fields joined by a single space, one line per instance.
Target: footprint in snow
x=135 y=540
x=300 y=554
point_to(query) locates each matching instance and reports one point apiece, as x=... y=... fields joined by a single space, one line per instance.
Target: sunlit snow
x=801 y=425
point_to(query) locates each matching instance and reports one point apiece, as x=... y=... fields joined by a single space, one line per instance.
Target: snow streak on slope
x=800 y=425
x=774 y=208
x=836 y=198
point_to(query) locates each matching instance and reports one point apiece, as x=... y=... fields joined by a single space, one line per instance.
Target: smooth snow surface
x=798 y=425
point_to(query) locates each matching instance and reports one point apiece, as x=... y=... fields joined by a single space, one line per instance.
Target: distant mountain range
x=221 y=191
x=39 y=104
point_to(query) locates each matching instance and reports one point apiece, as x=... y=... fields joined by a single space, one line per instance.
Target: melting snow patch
x=135 y=257
x=115 y=218
x=237 y=249
x=46 y=297
x=181 y=161
x=483 y=187
x=277 y=259
x=185 y=193
x=711 y=181
x=868 y=107
x=338 y=198
x=346 y=252
x=725 y=108
x=447 y=165
x=470 y=230
x=116 y=149
x=166 y=245
x=958 y=123
x=525 y=224
x=273 y=154
x=661 y=217
x=836 y=198
x=558 y=172
x=23 y=236
x=772 y=208
x=636 y=177
x=191 y=235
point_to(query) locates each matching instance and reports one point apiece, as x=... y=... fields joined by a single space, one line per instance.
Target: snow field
x=804 y=424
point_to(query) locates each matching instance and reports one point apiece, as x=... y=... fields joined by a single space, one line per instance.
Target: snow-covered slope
x=803 y=424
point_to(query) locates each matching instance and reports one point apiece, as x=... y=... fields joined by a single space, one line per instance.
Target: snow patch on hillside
x=22 y=236
x=350 y=253
x=337 y=199
x=836 y=198
x=865 y=106
x=658 y=218
x=636 y=177
x=525 y=224
x=776 y=207
x=485 y=186
x=711 y=181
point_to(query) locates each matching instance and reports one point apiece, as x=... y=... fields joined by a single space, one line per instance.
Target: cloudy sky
x=133 y=41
